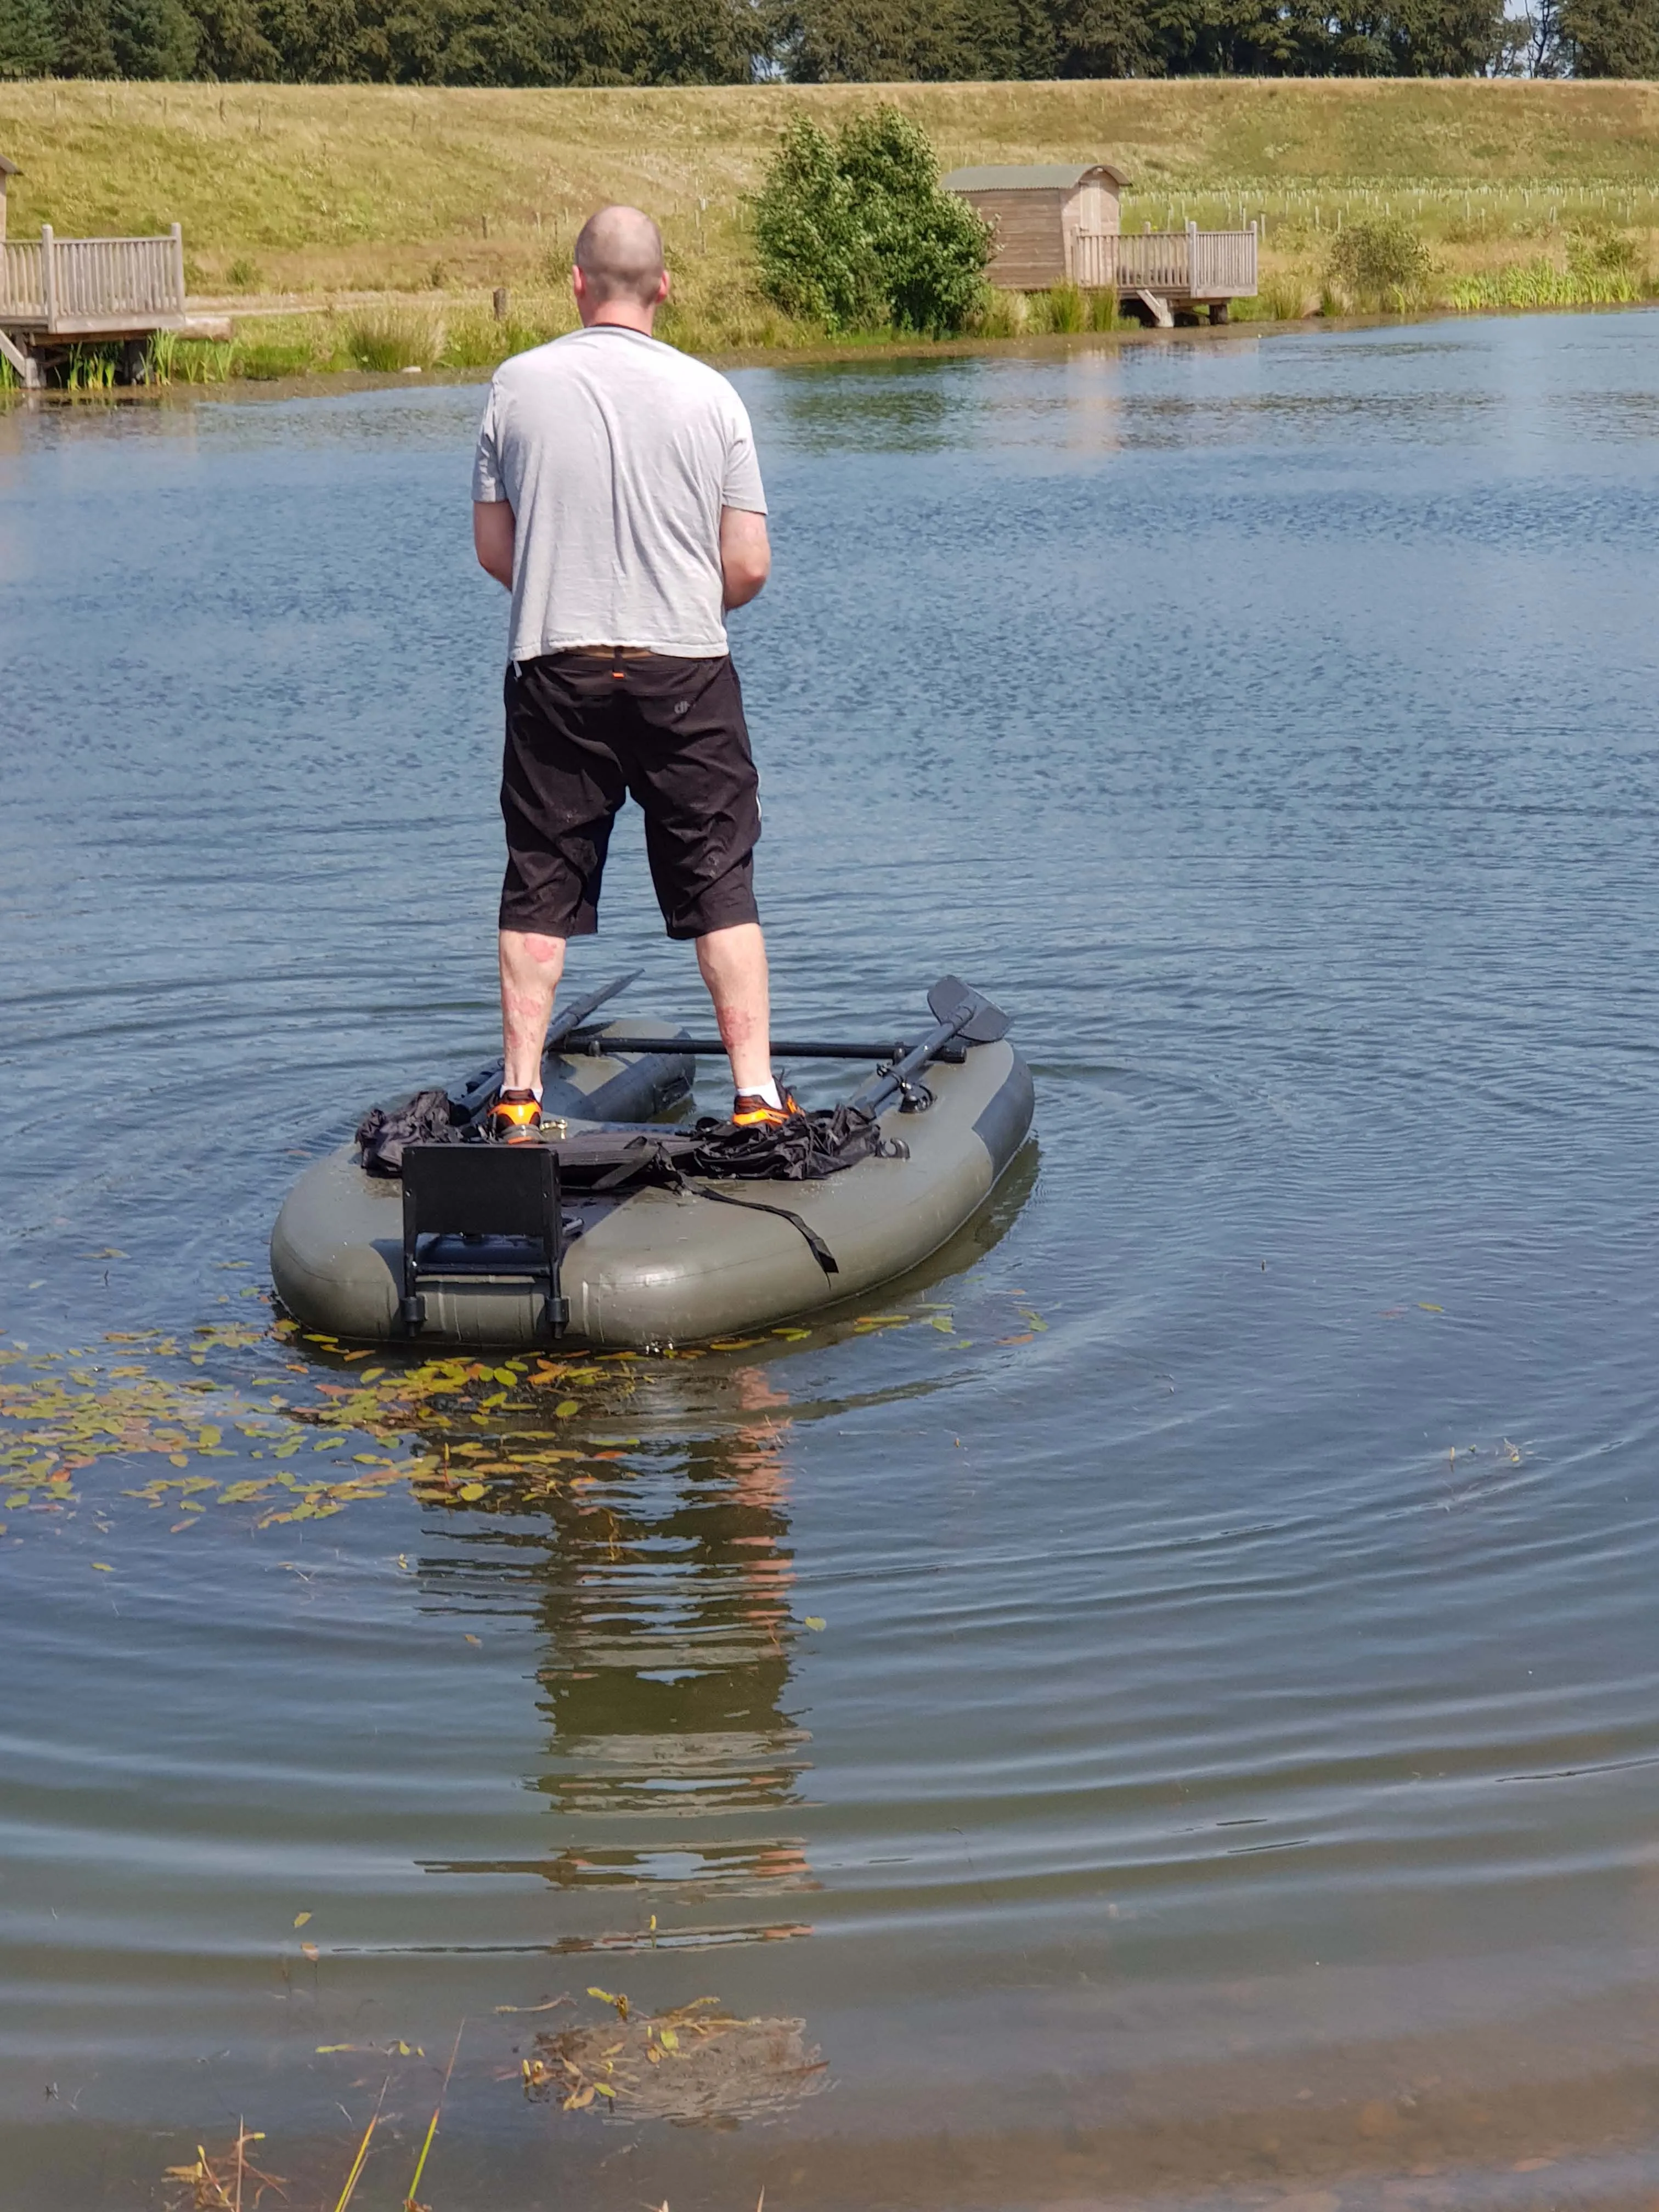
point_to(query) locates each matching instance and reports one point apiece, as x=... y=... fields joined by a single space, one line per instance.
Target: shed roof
x=9 y=168
x=1037 y=177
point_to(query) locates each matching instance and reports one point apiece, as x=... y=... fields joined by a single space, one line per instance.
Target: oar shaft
x=602 y=1044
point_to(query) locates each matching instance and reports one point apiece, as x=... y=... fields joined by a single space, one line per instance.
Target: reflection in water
x=662 y=1595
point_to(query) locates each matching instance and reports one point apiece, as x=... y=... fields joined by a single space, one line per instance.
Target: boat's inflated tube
x=657 y=1266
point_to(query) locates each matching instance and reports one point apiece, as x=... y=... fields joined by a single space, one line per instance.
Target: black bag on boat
x=804 y=1148
x=430 y=1117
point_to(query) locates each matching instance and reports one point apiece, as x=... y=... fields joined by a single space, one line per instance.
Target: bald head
x=619 y=253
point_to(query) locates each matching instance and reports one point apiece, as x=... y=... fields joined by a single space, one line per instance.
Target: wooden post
x=498 y=302
x=48 y=275
x=178 y=264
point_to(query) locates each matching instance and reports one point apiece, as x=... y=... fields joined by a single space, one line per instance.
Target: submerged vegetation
x=451 y=1430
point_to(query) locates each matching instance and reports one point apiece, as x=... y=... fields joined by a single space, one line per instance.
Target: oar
x=962 y=1015
x=600 y=1045
x=571 y=1018
x=558 y=1030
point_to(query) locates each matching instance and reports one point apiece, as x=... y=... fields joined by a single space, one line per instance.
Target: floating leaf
x=300 y=1919
x=479 y=1640
x=471 y=1489
x=102 y=1567
x=565 y=1409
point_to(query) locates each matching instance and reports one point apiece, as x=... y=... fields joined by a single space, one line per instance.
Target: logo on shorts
x=682 y=706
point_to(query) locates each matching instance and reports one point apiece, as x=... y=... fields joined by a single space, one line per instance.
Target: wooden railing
x=1200 y=264
x=68 y=281
x=22 y=285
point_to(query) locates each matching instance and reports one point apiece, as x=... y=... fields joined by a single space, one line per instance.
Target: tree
x=856 y=231
x=230 y=48
x=1612 y=37
x=1418 y=38
x=1103 y=38
x=28 y=38
x=84 y=46
x=152 y=38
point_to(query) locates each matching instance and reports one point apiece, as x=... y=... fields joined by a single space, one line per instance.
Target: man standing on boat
x=617 y=496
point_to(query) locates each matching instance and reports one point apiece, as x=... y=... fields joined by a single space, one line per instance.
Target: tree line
x=682 y=42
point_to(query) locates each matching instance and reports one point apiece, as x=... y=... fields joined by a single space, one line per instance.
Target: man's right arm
x=492 y=529
x=746 y=555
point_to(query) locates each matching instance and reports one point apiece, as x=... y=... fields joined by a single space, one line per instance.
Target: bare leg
x=734 y=964
x=531 y=967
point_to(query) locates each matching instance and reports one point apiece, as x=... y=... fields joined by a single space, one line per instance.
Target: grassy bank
x=410 y=206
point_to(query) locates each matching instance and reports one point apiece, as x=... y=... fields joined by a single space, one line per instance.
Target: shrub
x=855 y=231
x=243 y=275
x=1605 y=266
x=1380 y=262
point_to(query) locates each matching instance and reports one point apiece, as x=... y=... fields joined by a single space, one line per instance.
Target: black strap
x=820 y=1251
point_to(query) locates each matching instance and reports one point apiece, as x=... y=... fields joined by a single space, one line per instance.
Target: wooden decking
x=58 y=291
x=1166 y=268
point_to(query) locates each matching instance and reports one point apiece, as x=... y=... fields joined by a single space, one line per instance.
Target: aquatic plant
x=1068 y=309
x=263 y=360
x=1281 y=299
x=1588 y=280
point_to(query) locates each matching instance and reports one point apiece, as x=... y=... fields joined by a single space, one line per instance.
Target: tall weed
x=387 y=340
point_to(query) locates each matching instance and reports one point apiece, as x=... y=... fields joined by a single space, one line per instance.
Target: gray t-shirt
x=617 y=453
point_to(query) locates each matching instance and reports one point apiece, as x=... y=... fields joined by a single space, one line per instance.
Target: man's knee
x=532 y=944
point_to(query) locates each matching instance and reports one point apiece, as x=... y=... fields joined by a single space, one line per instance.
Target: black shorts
x=584 y=730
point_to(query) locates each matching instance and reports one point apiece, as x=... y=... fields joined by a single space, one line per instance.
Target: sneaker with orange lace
x=514 y=1118
x=750 y=1111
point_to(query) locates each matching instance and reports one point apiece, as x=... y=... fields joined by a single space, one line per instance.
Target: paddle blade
x=972 y=1015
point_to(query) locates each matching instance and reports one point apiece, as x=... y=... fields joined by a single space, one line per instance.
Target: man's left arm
x=745 y=555
x=493 y=531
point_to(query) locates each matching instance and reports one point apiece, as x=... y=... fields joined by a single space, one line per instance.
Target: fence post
x=1192 y=255
x=48 y=275
x=178 y=264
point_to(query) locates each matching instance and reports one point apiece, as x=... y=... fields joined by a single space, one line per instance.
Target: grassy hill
x=318 y=192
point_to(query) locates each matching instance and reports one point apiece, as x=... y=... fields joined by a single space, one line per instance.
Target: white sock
x=767 y=1092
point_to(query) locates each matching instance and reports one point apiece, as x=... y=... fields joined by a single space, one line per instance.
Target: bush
x=855 y=232
x=1380 y=262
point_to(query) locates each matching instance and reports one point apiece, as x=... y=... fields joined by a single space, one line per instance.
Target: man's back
x=617 y=454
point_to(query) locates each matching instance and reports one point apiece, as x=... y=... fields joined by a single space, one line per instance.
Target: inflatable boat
x=623 y=1226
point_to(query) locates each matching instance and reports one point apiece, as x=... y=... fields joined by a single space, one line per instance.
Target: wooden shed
x=1038 y=213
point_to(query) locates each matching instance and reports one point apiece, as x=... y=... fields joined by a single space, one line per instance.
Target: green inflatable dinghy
x=603 y=1233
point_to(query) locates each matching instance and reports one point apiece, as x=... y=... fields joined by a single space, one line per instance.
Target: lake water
x=1170 y=1715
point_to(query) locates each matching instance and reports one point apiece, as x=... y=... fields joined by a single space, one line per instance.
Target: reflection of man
x=669 y=1708
x=617 y=495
